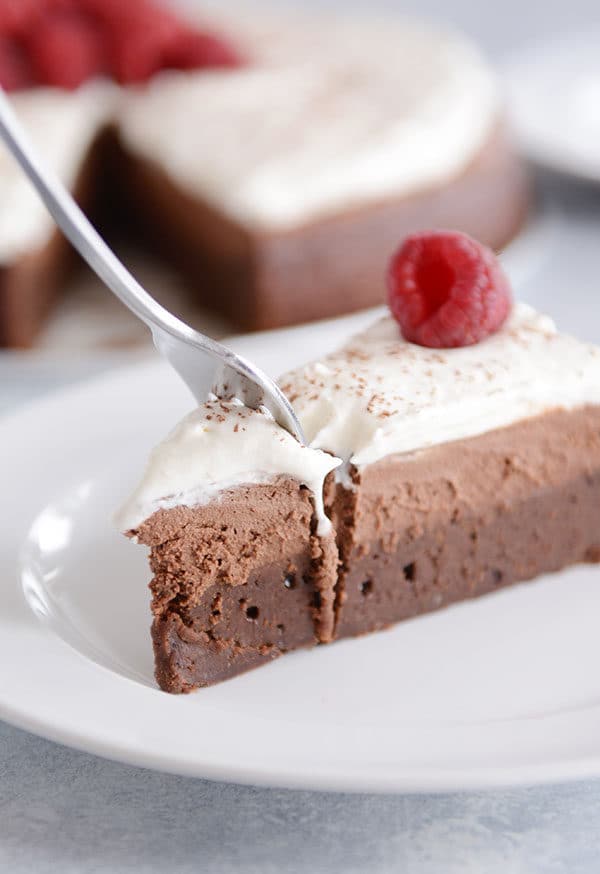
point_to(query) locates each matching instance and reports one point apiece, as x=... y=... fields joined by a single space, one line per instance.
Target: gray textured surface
x=69 y=812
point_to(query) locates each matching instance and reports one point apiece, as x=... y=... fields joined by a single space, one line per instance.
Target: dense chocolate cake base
x=245 y=578
x=261 y=279
x=237 y=583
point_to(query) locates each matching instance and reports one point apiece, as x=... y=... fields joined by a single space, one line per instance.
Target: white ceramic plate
x=501 y=691
x=554 y=97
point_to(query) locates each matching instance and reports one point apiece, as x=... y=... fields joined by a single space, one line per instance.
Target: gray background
x=68 y=812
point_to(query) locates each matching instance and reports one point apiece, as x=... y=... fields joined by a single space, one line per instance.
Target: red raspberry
x=67 y=49
x=139 y=42
x=115 y=12
x=15 y=69
x=194 y=50
x=16 y=16
x=445 y=290
x=70 y=41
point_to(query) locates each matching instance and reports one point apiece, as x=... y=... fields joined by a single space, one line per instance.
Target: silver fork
x=204 y=365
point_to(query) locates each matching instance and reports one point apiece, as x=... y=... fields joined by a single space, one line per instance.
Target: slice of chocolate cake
x=464 y=470
x=432 y=475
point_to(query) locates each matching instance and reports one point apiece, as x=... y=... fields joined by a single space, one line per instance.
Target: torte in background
x=274 y=158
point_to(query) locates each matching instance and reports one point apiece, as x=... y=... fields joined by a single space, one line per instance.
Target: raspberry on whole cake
x=267 y=155
x=64 y=43
x=431 y=475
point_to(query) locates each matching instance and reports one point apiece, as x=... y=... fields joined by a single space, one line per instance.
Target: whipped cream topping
x=381 y=395
x=377 y=396
x=331 y=112
x=62 y=125
x=221 y=445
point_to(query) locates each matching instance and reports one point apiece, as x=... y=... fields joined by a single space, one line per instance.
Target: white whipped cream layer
x=217 y=447
x=380 y=395
x=62 y=126
x=377 y=396
x=330 y=113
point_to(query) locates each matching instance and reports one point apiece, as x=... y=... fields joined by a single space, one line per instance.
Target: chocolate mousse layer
x=237 y=582
x=426 y=529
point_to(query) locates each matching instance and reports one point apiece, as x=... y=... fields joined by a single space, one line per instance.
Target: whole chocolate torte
x=278 y=176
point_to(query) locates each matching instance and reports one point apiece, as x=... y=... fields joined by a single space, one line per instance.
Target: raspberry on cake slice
x=438 y=469
x=446 y=290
